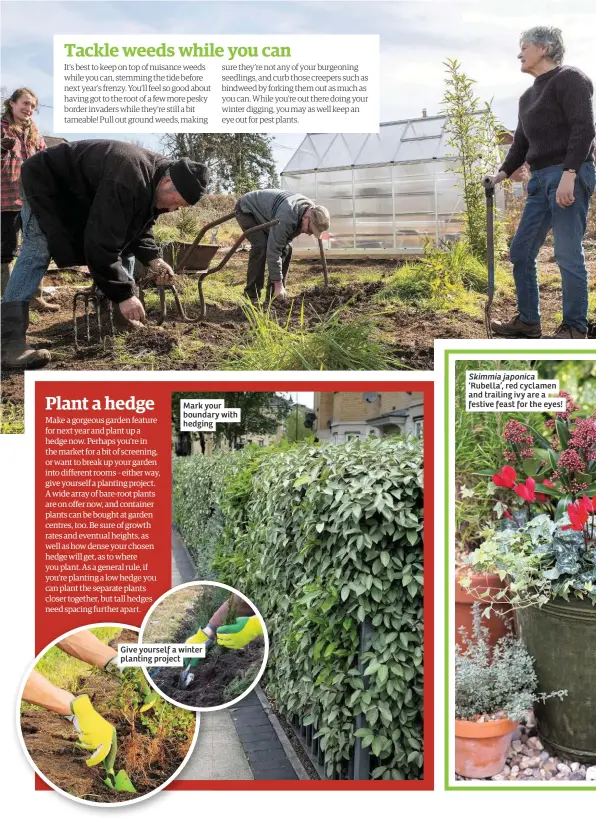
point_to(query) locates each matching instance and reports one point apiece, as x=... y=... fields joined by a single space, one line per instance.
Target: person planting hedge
x=94 y=203
x=246 y=627
x=95 y=733
x=555 y=135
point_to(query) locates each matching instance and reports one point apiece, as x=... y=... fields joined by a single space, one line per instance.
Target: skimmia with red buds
x=548 y=472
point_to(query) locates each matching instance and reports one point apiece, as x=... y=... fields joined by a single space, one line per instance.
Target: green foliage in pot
x=542 y=560
x=323 y=538
x=498 y=682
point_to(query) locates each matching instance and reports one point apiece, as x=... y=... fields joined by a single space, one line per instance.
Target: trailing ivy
x=324 y=539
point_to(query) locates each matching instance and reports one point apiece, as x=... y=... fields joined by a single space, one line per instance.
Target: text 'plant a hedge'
x=324 y=539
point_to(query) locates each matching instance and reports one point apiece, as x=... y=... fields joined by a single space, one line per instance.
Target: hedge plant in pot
x=549 y=563
x=495 y=687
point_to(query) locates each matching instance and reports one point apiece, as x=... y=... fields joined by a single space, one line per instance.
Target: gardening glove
x=95 y=733
x=160 y=273
x=203 y=635
x=149 y=696
x=240 y=633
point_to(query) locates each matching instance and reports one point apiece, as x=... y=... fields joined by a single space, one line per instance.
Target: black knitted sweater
x=556 y=122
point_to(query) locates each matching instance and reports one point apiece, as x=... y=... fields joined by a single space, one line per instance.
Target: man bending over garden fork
x=272 y=248
x=94 y=203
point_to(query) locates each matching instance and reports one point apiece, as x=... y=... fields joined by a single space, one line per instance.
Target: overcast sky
x=305 y=398
x=416 y=37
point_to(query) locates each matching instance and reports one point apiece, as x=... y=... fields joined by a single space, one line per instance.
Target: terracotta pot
x=465 y=599
x=481 y=747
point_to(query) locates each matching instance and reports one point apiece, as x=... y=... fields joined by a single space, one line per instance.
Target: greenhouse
x=388 y=193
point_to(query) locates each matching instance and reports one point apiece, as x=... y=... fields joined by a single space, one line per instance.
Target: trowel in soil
x=116 y=781
x=489 y=190
x=188 y=672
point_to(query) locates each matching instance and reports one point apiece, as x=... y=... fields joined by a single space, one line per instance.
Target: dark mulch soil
x=213 y=673
x=51 y=743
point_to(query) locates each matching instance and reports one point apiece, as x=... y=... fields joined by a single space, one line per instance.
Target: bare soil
x=51 y=743
x=213 y=673
x=410 y=331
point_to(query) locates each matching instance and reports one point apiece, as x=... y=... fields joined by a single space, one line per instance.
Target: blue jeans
x=34 y=258
x=541 y=213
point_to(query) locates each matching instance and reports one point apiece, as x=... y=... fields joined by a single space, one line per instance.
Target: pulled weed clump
x=331 y=344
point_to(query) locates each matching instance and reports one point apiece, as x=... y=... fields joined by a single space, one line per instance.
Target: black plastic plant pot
x=561 y=636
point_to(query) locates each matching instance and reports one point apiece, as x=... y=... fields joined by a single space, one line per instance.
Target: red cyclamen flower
x=526 y=490
x=506 y=477
x=588 y=505
x=541 y=496
x=578 y=516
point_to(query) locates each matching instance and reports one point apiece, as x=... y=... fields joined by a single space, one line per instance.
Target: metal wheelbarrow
x=196 y=257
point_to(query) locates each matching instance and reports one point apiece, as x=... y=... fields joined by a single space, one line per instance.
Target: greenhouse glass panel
x=395 y=190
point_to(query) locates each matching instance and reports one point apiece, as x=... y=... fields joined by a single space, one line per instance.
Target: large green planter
x=561 y=636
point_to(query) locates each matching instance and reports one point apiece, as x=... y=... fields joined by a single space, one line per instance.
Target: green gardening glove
x=149 y=696
x=240 y=633
x=95 y=733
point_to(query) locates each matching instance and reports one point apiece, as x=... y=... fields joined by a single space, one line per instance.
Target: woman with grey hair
x=555 y=135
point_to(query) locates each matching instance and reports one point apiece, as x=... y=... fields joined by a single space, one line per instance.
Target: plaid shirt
x=10 y=197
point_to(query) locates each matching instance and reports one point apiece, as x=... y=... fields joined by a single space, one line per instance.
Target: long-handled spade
x=489 y=190
x=116 y=781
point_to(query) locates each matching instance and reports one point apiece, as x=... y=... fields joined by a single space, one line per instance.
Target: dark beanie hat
x=190 y=179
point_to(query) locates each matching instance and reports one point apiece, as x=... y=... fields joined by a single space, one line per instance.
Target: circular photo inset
x=232 y=631
x=95 y=730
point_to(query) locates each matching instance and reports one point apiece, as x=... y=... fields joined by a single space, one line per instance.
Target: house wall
x=342 y=414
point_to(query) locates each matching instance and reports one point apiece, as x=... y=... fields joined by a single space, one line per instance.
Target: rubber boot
x=39 y=303
x=16 y=354
x=5 y=276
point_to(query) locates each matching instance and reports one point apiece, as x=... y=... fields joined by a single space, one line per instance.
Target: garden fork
x=489 y=190
x=89 y=297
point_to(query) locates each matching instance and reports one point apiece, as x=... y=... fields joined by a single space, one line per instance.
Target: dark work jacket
x=93 y=199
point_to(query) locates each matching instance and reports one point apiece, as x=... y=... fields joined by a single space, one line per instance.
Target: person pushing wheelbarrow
x=94 y=203
x=555 y=135
x=272 y=248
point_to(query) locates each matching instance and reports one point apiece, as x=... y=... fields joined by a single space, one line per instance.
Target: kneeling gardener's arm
x=106 y=236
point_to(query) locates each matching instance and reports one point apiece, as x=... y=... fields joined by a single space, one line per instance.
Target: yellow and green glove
x=240 y=633
x=95 y=733
x=202 y=636
x=149 y=696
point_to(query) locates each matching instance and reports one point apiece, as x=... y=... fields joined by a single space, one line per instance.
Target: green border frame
x=447 y=523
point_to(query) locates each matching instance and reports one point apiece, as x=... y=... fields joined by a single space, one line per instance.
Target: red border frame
x=427 y=389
